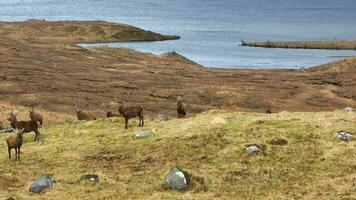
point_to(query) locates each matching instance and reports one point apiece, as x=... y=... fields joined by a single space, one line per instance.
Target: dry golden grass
x=313 y=165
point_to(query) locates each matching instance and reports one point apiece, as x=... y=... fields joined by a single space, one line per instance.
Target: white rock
x=349 y=109
x=343 y=135
x=142 y=134
x=252 y=149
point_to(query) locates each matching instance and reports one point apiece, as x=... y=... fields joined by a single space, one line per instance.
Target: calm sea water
x=211 y=31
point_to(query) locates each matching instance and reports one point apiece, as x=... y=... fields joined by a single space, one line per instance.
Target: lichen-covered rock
x=177 y=179
x=90 y=177
x=252 y=149
x=43 y=182
x=142 y=134
x=344 y=136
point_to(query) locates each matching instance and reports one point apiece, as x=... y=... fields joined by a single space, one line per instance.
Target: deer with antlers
x=26 y=126
x=130 y=111
x=81 y=115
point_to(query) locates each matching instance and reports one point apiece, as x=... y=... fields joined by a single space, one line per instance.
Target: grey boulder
x=344 y=136
x=142 y=134
x=43 y=182
x=251 y=149
x=177 y=179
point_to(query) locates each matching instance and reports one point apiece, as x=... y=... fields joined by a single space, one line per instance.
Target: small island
x=322 y=44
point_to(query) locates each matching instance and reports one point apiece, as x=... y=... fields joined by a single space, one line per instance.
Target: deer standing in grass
x=181 y=107
x=35 y=116
x=130 y=111
x=15 y=142
x=27 y=126
x=81 y=115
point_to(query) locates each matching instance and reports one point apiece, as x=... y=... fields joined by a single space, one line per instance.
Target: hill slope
x=41 y=63
x=313 y=165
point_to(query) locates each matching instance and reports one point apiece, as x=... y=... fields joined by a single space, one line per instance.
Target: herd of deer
x=36 y=121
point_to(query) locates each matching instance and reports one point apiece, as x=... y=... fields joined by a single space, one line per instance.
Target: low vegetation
x=301 y=158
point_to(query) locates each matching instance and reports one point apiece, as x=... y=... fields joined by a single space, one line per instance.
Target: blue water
x=211 y=31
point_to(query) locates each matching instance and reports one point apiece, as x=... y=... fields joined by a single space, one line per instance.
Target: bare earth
x=41 y=63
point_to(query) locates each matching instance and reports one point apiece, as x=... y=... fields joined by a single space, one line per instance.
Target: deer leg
x=19 y=151
x=9 y=150
x=16 y=153
x=126 y=122
x=37 y=138
x=143 y=122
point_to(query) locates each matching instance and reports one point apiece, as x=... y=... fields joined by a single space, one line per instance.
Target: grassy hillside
x=313 y=165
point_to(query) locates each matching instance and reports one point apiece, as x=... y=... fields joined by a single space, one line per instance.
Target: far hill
x=41 y=63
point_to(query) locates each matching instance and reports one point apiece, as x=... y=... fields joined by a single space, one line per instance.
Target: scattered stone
x=349 y=109
x=43 y=182
x=278 y=141
x=90 y=177
x=142 y=134
x=163 y=117
x=252 y=149
x=344 y=136
x=177 y=179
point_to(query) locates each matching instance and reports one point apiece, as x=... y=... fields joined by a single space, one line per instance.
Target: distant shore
x=322 y=44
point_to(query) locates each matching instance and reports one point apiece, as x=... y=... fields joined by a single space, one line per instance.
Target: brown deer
x=268 y=105
x=81 y=115
x=27 y=126
x=15 y=142
x=130 y=111
x=181 y=107
x=110 y=114
x=35 y=116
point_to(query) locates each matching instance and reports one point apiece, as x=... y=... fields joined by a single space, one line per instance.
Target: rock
x=251 y=149
x=90 y=177
x=177 y=179
x=43 y=182
x=10 y=198
x=344 y=136
x=349 y=109
x=278 y=141
x=142 y=134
